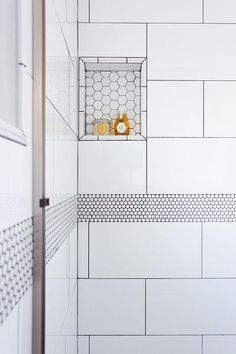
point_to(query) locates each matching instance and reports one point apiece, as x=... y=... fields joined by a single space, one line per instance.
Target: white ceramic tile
x=220 y=11
x=55 y=345
x=9 y=345
x=4 y=158
x=83 y=344
x=219 y=241
x=71 y=345
x=219 y=344
x=25 y=323
x=139 y=11
x=112 y=40
x=60 y=7
x=50 y=12
x=10 y=324
x=70 y=33
x=83 y=11
x=71 y=10
x=111 y=306
x=191 y=52
x=145 y=250
x=49 y=166
x=56 y=305
x=65 y=167
x=26 y=34
x=57 y=266
x=69 y=326
x=55 y=43
x=191 y=306
x=112 y=167
x=191 y=166
x=175 y=108
x=220 y=109
x=144 y=345
x=83 y=250
x=73 y=256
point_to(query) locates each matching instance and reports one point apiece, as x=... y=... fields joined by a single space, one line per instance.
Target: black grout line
x=203 y=11
x=147 y=278
x=158 y=23
x=145 y=310
x=156 y=335
x=191 y=137
x=192 y=80
x=88 y=250
x=201 y=250
x=203 y=109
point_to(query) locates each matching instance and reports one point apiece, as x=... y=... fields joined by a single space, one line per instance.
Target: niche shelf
x=107 y=85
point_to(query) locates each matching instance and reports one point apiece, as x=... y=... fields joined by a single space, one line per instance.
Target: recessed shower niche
x=108 y=86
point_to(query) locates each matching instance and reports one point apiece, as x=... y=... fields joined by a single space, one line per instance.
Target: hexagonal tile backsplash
x=108 y=91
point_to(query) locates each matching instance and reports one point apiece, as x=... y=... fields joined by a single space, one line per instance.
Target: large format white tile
x=145 y=250
x=191 y=52
x=220 y=11
x=175 y=108
x=191 y=166
x=83 y=344
x=144 y=345
x=191 y=306
x=139 y=11
x=25 y=323
x=70 y=33
x=55 y=345
x=55 y=42
x=112 y=40
x=112 y=167
x=219 y=344
x=220 y=109
x=111 y=306
x=83 y=11
x=57 y=266
x=219 y=243
x=83 y=250
x=71 y=345
x=71 y=10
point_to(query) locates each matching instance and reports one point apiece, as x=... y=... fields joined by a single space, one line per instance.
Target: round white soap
x=121 y=127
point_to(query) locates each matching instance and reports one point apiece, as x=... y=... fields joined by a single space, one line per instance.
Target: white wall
x=172 y=279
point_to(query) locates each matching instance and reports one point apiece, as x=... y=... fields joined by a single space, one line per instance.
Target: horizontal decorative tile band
x=60 y=221
x=16 y=247
x=157 y=208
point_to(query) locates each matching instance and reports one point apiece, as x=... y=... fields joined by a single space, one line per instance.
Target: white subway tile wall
x=191 y=52
x=175 y=108
x=111 y=306
x=146 y=250
x=112 y=167
x=162 y=287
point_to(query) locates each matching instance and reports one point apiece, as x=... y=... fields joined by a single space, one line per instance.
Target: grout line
x=158 y=23
x=145 y=310
x=202 y=250
x=203 y=108
x=155 y=278
x=88 y=250
x=156 y=335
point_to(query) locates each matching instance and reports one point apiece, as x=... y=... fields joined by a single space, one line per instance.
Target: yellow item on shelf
x=121 y=125
x=102 y=127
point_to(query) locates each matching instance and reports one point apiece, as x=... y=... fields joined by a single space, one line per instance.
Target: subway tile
x=83 y=12
x=138 y=11
x=219 y=242
x=112 y=40
x=220 y=109
x=196 y=52
x=112 y=167
x=175 y=108
x=221 y=11
x=55 y=42
x=145 y=250
x=191 y=165
x=83 y=345
x=219 y=344
x=188 y=307
x=83 y=250
x=111 y=306
x=145 y=344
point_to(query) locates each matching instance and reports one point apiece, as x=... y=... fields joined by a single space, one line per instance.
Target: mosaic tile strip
x=60 y=221
x=157 y=208
x=16 y=247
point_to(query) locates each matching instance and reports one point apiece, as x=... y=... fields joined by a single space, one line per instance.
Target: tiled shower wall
x=61 y=176
x=16 y=209
x=162 y=287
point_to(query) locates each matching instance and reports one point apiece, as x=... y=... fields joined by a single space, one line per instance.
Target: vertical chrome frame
x=38 y=336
